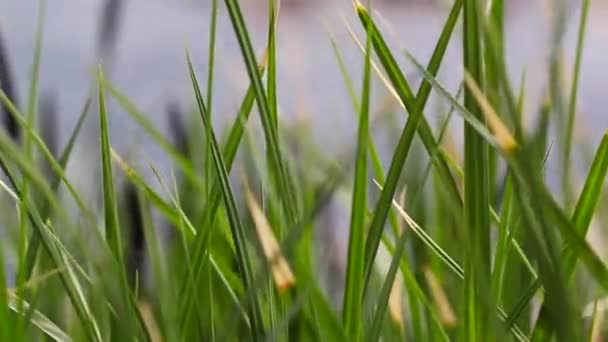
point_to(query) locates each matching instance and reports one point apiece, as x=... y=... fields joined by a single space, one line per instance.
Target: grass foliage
x=478 y=248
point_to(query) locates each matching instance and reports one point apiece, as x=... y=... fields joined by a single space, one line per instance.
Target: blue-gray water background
x=149 y=64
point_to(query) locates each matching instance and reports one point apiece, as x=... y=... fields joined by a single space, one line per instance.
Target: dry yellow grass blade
x=150 y=321
x=395 y=301
x=505 y=139
x=446 y=313
x=281 y=272
x=596 y=330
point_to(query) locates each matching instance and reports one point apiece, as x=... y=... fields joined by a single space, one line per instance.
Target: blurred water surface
x=149 y=64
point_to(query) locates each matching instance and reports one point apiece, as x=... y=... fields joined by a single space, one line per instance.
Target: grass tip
x=359 y=7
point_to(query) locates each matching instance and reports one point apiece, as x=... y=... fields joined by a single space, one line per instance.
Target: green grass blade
x=477 y=319
x=238 y=233
x=355 y=267
x=574 y=92
x=113 y=235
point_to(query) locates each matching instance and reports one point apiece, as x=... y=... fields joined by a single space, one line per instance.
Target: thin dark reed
x=135 y=253
x=9 y=88
x=177 y=127
x=49 y=120
x=109 y=26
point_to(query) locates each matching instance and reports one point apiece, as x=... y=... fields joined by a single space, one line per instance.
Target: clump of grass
x=454 y=264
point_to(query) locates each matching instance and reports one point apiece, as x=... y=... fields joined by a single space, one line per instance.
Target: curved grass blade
x=238 y=233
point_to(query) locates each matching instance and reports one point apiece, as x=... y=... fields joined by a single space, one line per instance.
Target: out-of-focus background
x=148 y=61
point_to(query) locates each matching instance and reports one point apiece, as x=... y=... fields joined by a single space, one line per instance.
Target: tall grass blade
x=477 y=318
x=112 y=232
x=566 y=166
x=355 y=266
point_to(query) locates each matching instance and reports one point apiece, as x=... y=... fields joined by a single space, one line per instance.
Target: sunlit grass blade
x=238 y=233
x=415 y=107
x=355 y=266
x=38 y=319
